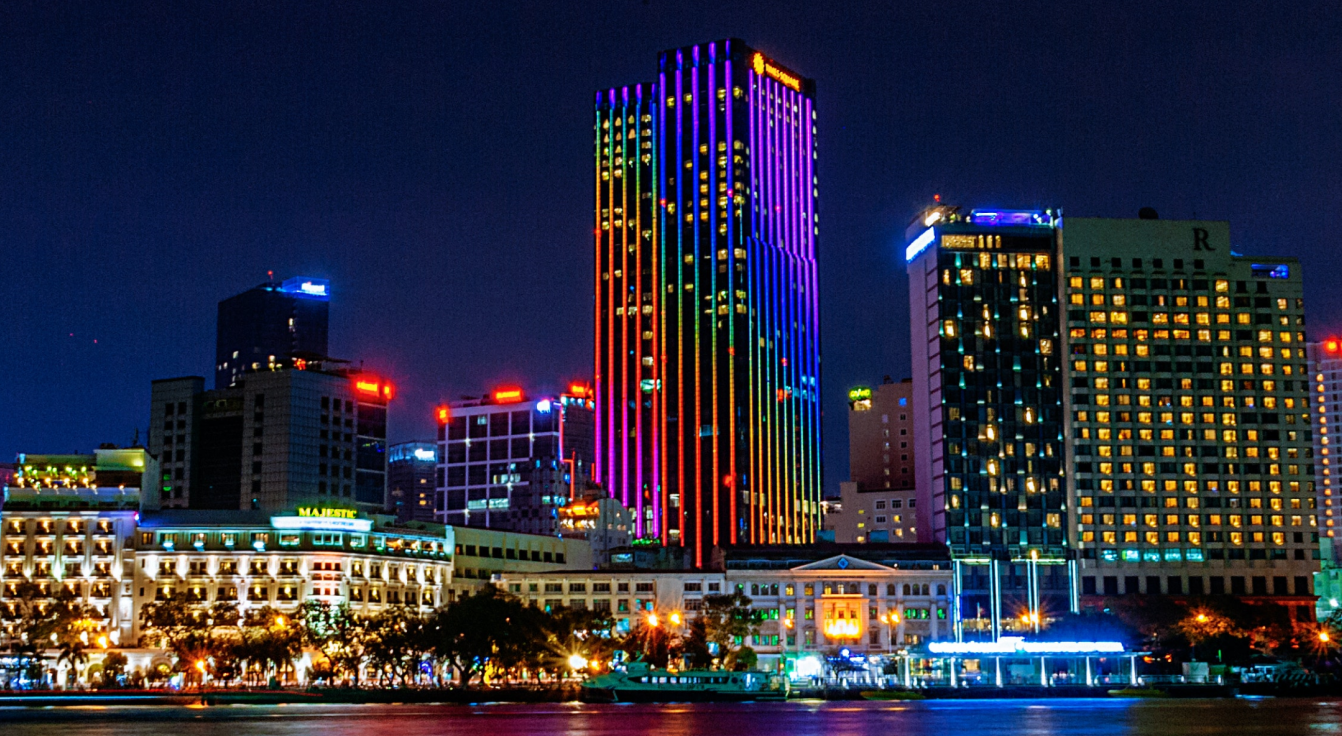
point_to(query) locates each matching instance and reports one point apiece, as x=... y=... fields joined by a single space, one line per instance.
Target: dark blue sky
x=435 y=163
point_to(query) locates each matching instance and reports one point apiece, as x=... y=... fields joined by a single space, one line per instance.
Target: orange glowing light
x=765 y=67
x=1330 y=346
x=444 y=414
x=577 y=389
x=387 y=391
x=368 y=387
x=508 y=395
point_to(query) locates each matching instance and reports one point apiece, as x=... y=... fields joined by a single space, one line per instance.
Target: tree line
x=489 y=636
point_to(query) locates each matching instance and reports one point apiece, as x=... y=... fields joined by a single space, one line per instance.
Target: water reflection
x=1103 y=717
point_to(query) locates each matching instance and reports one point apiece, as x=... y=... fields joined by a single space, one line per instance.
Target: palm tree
x=72 y=652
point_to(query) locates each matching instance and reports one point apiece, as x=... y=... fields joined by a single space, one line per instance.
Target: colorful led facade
x=707 y=324
x=988 y=407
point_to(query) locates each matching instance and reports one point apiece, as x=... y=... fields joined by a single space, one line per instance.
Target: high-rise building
x=507 y=461
x=269 y=326
x=1325 y=371
x=988 y=419
x=880 y=435
x=1190 y=418
x=411 y=470
x=272 y=440
x=878 y=503
x=707 y=324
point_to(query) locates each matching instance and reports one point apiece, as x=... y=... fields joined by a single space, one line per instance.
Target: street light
x=653 y=621
x=675 y=618
x=1324 y=637
x=577 y=662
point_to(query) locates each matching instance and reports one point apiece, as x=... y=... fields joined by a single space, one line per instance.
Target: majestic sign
x=318 y=518
x=328 y=513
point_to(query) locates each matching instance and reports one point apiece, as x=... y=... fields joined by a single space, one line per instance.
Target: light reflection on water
x=1101 y=717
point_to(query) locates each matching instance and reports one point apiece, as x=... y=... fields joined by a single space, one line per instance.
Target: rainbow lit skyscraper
x=707 y=344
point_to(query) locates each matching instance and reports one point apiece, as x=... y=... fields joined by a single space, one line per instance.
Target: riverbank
x=572 y=693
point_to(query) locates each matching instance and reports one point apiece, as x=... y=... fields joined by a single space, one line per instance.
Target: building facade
x=988 y=417
x=808 y=607
x=411 y=474
x=96 y=544
x=271 y=326
x=1325 y=376
x=1191 y=425
x=507 y=461
x=273 y=439
x=876 y=516
x=880 y=436
x=707 y=329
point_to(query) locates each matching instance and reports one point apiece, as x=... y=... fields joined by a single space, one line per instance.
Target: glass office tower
x=707 y=325
x=988 y=410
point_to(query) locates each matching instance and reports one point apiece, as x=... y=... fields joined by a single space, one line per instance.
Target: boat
x=642 y=683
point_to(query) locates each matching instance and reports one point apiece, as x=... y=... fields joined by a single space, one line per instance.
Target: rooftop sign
x=765 y=67
x=301 y=286
x=316 y=518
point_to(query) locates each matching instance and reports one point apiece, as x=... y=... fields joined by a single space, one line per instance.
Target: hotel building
x=1325 y=376
x=988 y=419
x=707 y=324
x=1190 y=417
x=95 y=543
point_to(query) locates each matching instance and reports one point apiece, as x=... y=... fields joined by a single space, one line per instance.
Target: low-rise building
x=874 y=515
x=820 y=599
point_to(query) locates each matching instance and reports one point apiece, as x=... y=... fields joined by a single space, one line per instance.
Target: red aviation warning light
x=1331 y=345
x=444 y=414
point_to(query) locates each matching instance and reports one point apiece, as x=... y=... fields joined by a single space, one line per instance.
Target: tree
x=652 y=642
x=270 y=639
x=204 y=639
x=483 y=629
x=339 y=634
x=397 y=644
x=39 y=615
x=114 y=666
x=729 y=621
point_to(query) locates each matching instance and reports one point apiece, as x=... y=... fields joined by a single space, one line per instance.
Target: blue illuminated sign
x=920 y=244
x=1263 y=271
x=543 y=406
x=1008 y=218
x=302 y=286
x=1017 y=646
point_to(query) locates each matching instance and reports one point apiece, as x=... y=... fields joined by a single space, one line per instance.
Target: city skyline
x=176 y=190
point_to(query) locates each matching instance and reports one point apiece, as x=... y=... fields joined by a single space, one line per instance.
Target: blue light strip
x=920 y=244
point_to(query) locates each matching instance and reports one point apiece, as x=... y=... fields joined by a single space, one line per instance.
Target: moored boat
x=641 y=683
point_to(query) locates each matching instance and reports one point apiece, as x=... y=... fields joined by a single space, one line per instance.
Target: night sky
x=435 y=162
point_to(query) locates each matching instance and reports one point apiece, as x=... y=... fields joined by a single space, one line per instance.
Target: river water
x=928 y=718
